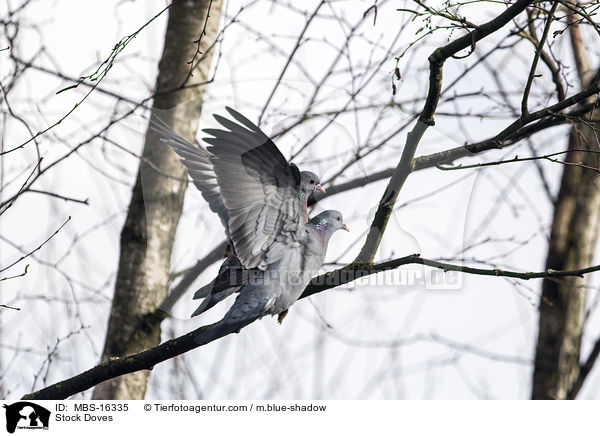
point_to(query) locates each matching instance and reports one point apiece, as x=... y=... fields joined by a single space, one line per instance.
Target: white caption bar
x=298 y=417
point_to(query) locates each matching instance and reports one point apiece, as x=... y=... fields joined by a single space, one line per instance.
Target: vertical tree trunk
x=572 y=242
x=157 y=199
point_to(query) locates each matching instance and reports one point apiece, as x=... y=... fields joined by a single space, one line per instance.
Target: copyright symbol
x=147 y=407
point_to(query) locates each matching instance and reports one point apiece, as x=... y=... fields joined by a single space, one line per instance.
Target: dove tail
x=211 y=300
x=201 y=309
x=208 y=302
x=203 y=291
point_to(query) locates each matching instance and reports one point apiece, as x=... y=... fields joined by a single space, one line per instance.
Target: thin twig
x=536 y=58
x=522 y=159
x=15 y=276
x=37 y=248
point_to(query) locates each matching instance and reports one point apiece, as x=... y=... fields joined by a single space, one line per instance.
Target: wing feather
x=197 y=162
x=260 y=190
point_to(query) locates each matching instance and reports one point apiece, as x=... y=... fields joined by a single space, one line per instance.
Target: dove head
x=309 y=183
x=330 y=220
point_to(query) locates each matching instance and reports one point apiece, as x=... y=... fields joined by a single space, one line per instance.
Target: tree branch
x=585 y=370
x=146 y=359
x=519 y=129
x=407 y=163
x=536 y=58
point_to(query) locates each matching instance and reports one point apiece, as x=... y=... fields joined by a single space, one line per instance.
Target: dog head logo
x=26 y=415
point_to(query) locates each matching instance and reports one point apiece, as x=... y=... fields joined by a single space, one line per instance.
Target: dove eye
x=312 y=182
x=338 y=218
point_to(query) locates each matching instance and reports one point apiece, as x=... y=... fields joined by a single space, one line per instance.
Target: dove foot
x=281 y=316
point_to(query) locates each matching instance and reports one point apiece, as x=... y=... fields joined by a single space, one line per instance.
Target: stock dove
x=274 y=290
x=259 y=197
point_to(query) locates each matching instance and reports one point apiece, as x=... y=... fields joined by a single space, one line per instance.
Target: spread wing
x=260 y=190
x=199 y=167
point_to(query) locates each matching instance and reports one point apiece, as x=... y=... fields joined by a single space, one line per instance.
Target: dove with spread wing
x=232 y=274
x=260 y=198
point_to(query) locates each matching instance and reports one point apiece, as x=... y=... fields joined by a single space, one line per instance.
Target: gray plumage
x=229 y=280
x=198 y=165
x=282 y=283
x=260 y=190
x=259 y=196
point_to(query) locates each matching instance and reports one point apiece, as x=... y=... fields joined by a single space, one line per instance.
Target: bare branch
x=536 y=58
x=37 y=248
x=585 y=370
x=167 y=350
x=407 y=163
x=18 y=275
x=548 y=157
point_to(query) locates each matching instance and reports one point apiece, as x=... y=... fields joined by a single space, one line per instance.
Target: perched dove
x=263 y=189
x=276 y=288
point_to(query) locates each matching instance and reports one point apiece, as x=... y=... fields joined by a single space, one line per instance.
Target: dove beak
x=320 y=188
x=346 y=228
